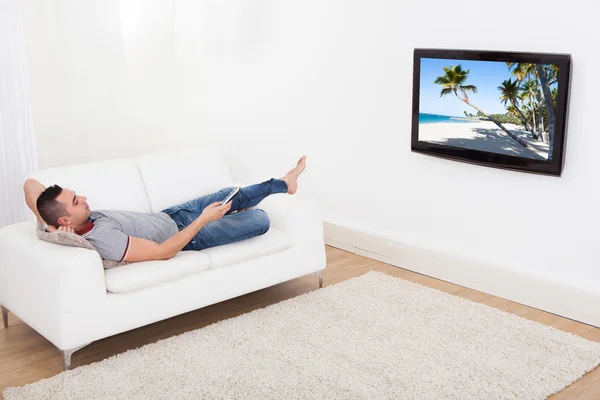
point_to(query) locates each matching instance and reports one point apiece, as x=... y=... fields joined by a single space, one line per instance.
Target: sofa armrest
x=301 y=220
x=293 y=216
x=42 y=282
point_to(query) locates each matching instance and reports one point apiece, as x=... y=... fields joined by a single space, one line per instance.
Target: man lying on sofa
x=133 y=236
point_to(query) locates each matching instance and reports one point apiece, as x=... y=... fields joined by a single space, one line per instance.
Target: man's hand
x=145 y=250
x=214 y=211
x=61 y=228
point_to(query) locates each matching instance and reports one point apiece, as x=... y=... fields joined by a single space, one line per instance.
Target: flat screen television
x=498 y=109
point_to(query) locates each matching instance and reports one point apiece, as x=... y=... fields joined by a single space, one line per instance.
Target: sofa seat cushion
x=271 y=242
x=142 y=275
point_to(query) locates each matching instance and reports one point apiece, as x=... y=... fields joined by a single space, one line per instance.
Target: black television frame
x=552 y=167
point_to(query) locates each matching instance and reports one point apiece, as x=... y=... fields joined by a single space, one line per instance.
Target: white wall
x=97 y=90
x=335 y=78
x=332 y=80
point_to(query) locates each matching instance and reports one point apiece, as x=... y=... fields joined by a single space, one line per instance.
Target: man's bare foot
x=291 y=178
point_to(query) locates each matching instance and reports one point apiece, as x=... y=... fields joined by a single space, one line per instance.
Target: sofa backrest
x=112 y=184
x=171 y=178
x=147 y=183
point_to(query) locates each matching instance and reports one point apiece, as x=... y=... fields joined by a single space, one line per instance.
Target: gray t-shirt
x=111 y=231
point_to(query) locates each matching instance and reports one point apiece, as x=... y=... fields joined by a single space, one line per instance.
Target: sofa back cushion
x=113 y=184
x=171 y=178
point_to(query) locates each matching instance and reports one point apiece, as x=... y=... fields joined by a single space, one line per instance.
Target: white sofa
x=66 y=295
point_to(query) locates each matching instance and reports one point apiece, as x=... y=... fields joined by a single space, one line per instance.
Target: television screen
x=499 y=109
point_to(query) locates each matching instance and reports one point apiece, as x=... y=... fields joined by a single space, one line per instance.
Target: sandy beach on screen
x=484 y=136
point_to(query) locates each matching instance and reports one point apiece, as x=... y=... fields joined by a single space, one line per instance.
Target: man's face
x=76 y=206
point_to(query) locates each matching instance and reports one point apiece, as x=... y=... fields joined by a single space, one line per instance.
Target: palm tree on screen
x=509 y=93
x=453 y=81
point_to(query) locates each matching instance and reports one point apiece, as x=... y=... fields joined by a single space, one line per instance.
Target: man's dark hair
x=49 y=208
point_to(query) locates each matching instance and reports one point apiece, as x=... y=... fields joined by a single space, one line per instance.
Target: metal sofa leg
x=67 y=355
x=4 y=317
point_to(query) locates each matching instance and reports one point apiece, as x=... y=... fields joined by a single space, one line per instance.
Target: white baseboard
x=566 y=301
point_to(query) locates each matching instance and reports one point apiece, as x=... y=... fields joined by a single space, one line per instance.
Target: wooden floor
x=27 y=357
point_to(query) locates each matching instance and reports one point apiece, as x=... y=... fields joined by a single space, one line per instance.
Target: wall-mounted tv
x=498 y=109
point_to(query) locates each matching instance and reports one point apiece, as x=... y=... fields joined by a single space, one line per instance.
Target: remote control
x=230 y=196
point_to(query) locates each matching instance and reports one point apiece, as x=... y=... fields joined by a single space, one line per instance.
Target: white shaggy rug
x=371 y=337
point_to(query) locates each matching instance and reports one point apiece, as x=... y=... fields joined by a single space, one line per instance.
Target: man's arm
x=33 y=189
x=146 y=250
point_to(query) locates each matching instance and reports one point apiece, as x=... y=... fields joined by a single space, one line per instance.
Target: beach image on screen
x=498 y=107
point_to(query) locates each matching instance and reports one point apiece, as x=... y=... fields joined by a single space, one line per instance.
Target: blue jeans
x=234 y=226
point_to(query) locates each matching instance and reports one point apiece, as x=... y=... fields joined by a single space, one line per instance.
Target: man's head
x=62 y=207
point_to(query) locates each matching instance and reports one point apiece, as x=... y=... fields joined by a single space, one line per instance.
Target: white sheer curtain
x=17 y=140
